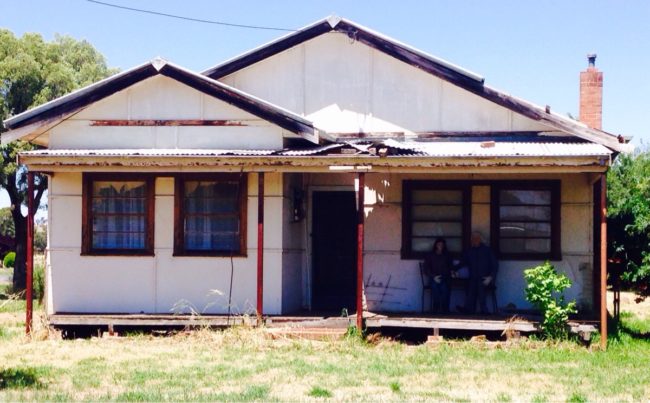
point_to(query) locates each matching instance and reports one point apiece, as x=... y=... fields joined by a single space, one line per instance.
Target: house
x=236 y=190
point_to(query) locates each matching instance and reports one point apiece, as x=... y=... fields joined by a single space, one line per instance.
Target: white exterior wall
x=162 y=98
x=294 y=240
x=383 y=235
x=350 y=87
x=162 y=283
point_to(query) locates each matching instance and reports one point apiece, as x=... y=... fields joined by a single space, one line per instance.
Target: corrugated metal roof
x=175 y=152
x=396 y=148
x=311 y=151
x=500 y=149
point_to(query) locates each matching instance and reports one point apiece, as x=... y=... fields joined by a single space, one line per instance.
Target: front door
x=334 y=250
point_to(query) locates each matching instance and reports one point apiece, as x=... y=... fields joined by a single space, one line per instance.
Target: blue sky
x=531 y=49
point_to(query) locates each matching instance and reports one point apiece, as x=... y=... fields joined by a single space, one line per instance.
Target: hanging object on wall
x=297 y=204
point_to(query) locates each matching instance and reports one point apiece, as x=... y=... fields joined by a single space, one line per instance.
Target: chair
x=426 y=285
x=491 y=290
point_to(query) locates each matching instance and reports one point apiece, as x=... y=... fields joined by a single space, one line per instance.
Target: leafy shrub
x=544 y=290
x=39 y=282
x=9 y=260
x=628 y=218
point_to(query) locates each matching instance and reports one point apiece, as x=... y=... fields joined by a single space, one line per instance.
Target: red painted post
x=603 y=261
x=360 y=220
x=29 y=264
x=260 y=245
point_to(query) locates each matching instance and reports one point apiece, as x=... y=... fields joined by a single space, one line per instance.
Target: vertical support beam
x=360 y=221
x=260 y=245
x=603 y=261
x=29 y=264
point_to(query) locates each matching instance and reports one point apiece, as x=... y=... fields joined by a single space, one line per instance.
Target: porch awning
x=382 y=155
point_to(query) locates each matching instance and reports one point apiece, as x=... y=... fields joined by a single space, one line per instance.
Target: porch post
x=603 y=261
x=260 y=245
x=360 y=221
x=29 y=264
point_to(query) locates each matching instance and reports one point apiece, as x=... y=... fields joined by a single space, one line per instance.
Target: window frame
x=408 y=186
x=554 y=186
x=179 y=216
x=87 y=216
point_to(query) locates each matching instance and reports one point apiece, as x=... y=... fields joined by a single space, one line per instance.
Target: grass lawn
x=242 y=364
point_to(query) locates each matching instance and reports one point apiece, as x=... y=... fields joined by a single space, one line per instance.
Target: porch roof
x=397 y=148
x=386 y=154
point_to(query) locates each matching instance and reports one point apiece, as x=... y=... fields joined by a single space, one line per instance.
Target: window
x=117 y=214
x=526 y=220
x=431 y=210
x=210 y=213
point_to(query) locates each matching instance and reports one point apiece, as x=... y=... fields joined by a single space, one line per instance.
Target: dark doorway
x=334 y=250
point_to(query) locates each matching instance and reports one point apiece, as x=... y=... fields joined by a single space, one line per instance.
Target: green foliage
x=32 y=72
x=6 y=222
x=18 y=378
x=544 y=290
x=628 y=204
x=40 y=240
x=9 y=259
x=39 y=282
x=317 y=391
x=354 y=333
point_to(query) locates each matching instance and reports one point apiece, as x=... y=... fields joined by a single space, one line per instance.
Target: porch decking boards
x=372 y=321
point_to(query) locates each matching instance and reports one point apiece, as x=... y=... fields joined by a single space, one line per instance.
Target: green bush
x=9 y=260
x=39 y=282
x=544 y=291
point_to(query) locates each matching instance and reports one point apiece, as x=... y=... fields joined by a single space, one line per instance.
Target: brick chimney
x=591 y=95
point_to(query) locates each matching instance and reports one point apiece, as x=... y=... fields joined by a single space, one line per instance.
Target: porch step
x=306 y=333
x=341 y=322
x=454 y=324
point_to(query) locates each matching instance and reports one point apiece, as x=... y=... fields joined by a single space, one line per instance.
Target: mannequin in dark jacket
x=439 y=266
x=483 y=267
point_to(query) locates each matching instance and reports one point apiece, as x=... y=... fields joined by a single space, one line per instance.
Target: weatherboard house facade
x=237 y=190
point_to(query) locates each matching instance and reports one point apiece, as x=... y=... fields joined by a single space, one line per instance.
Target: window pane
x=525 y=213
x=454 y=213
x=437 y=197
x=426 y=244
x=118 y=240
x=119 y=188
x=118 y=205
x=525 y=245
x=537 y=197
x=211 y=197
x=118 y=214
x=437 y=229
x=211 y=220
x=525 y=230
x=113 y=223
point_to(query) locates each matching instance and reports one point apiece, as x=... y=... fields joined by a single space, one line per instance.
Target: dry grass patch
x=243 y=364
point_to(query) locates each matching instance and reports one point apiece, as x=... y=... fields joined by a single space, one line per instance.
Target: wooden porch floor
x=373 y=321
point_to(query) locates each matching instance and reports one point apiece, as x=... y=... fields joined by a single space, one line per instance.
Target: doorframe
x=308 y=273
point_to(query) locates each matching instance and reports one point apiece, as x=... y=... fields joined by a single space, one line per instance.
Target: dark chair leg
x=423 y=301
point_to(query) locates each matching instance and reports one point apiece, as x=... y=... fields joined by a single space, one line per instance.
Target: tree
x=628 y=211
x=32 y=72
x=6 y=222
